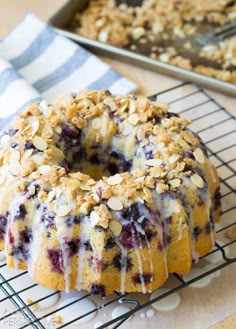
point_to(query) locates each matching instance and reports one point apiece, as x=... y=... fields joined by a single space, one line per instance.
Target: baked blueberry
x=3 y=224
x=120 y=263
x=145 y=277
x=20 y=212
x=98 y=289
x=56 y=260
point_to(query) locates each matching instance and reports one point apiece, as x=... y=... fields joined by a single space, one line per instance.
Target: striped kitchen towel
x=36 y=63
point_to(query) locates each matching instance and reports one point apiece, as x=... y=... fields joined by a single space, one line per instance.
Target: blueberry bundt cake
x=104 y=193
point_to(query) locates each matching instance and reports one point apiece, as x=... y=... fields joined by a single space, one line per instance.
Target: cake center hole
x=97 y=164
x=83 y=154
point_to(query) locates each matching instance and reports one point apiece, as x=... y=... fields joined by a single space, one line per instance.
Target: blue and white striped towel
x=36 y=63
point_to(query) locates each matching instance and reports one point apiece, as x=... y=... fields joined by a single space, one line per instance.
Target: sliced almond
x=51 y=196
x=35 y=127
x=138 y=32
x=44 y=170
x=91 y=182
x=161 y=146
x=15 y=155
x=140 y=134
x=27 y=154
x=44 y=105
x=133 y=119
x=58 y=129
x=86 y=103
x=127 y=129
x=14 y=167
x=94 y=217
x=140 y=179
x=5 y=139
x=52 y=207
x=27 y=167
x=198 y=155
x=115 y=227
x=184 y=144
x=103 y=36
x=2 y=179
x=114 y=180
x=85 y=187
x=63 y=210
x=123 y=105
x=37 y=158
x=115 y=203
x=95 y=197
x=175 y=182
x=40 y=143
x=35 y=175
x=197 y=180
x=47 y=131
x=147 y=192
x=96 y=124
x=31 y=189
x=153 y=162
x=164 y=57
x=100 y=22
x=109 y=102
x=132 y=105
x=173 y=158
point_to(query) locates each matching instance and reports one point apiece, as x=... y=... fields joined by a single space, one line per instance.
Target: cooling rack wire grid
x=217 y=128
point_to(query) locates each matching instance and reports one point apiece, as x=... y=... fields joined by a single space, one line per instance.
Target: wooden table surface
x=201 y=307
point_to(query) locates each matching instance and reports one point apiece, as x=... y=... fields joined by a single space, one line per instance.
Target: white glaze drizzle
x=16 y=202
x=76 y=310
x=168 y=303
x=150 y=261
x=124 y=254
x=2 y=256
x=118 y=311
x=212 y=230
x=159 y=228
x=213 y=176
x=195 y=254
x=142 y=231
x=35 y=247
x=140 y=267
x=63 y=233
x=84 y=235
x=150 y=313
x=123 y=270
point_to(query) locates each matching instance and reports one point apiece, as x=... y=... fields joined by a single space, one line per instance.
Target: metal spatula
x=219 y=34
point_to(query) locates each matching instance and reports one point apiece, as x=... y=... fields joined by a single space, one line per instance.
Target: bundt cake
x=105 y=193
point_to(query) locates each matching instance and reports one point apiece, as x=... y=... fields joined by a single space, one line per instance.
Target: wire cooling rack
x=217 y=127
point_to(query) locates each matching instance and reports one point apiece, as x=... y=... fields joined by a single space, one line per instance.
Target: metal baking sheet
x=61 y=21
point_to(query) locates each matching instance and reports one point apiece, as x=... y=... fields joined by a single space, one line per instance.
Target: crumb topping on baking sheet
x=165 y=31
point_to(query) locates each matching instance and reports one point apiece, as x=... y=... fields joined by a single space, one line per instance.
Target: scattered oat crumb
x=58 y=319
x=231 y=233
